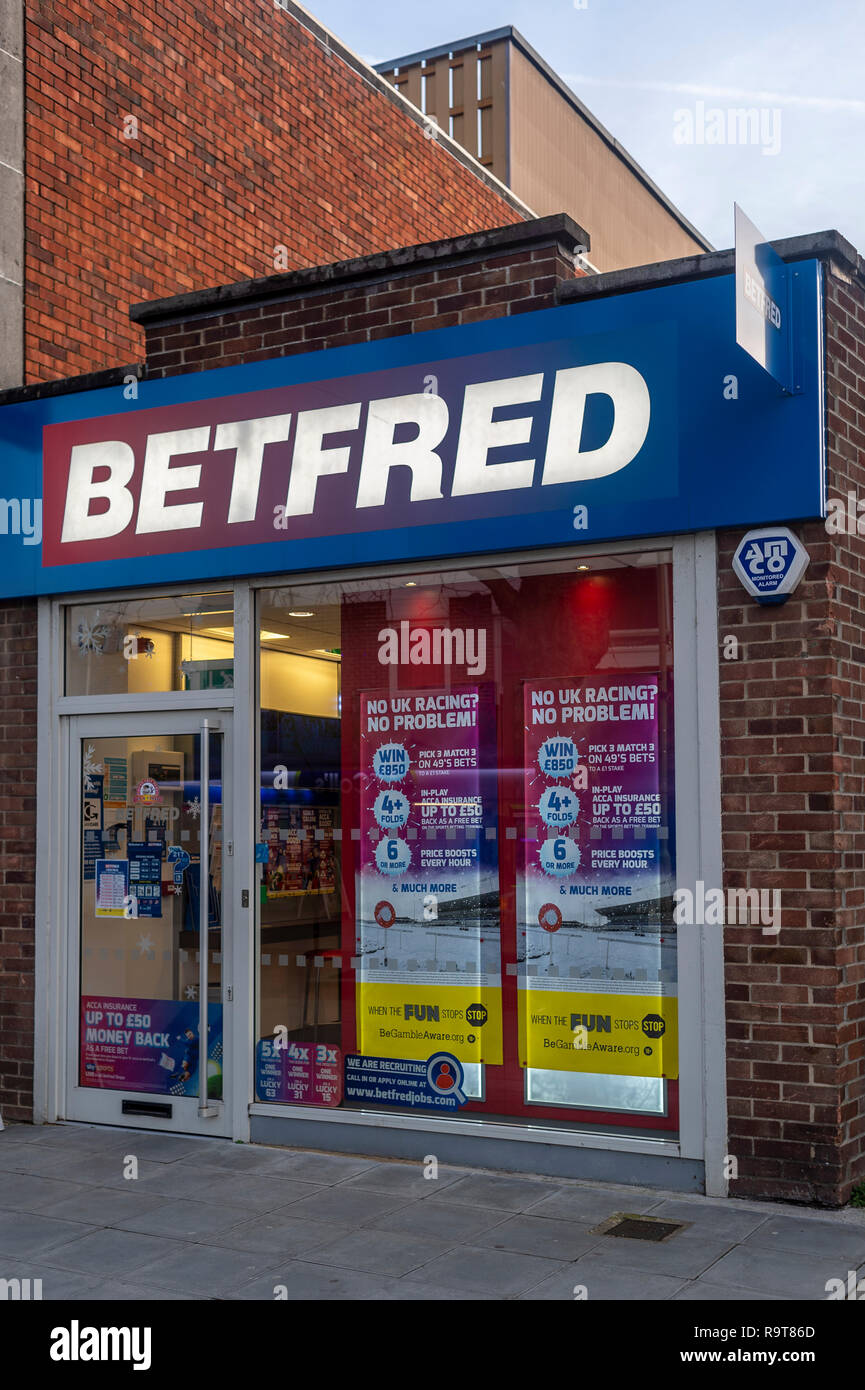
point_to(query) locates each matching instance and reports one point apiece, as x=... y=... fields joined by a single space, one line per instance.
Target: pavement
x=208 y=1219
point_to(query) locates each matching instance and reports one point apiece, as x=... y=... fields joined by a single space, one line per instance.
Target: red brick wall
x=793 y=739
x=495 y=284
x=251 y=136
x=17 y=854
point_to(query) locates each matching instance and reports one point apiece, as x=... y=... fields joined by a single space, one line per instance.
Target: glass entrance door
x=149 y=874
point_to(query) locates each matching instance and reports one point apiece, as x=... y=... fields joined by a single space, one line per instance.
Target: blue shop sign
x=626 y=416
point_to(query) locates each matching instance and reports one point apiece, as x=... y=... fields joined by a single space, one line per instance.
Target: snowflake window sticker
x=91 y=638
x=193 y=808
x=90 y=768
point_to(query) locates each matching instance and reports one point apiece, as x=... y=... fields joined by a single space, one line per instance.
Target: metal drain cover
x=642 y=1227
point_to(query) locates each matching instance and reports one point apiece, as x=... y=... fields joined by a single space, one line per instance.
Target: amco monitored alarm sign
x=626 y=416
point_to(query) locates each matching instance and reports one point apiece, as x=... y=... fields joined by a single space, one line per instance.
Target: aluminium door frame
x=98 y=1105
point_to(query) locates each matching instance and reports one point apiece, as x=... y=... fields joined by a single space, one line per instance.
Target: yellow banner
x=414 y=1021
x=616 y=1034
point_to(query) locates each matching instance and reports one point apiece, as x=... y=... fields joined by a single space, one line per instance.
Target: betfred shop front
x=379 y=724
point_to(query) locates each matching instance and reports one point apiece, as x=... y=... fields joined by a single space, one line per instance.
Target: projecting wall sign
x=592 y=421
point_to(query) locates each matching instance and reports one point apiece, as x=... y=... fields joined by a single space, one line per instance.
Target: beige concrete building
x=498 y=98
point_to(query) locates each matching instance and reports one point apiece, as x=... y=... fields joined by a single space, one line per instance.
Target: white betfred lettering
x=248 y=438
x=158 y=478
x=479 y=433
x=311 y=459
x=119 y=459
x=565 y=462
x=381 y=454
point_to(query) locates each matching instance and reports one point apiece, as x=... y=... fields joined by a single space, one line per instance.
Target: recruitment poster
x=597 y=963
x=428 y=978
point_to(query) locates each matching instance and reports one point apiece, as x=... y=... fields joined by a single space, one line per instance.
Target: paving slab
x=404 y=1291
x=316 y=1283
x=26 y=1234
x=40 y=1159
x=533 y=1235
x=249 y=1158
x=278 y=1232
x=254 y=1192
x=55 y=1283
x=777 y=1272
x=27 y=1192
x=346 y=1206
x=380 y=1252
x=104 y=1206
x=602 y=1281
x=451 y=1221
x=592 y=1205
x=137 y=1293
x=487 y=1190
x=676 y=1257
x=805 y=1236
x=193 y=1269
x=89 y=1170
x=701 y=1291
x=406 y=1178
x=501 y=1272
x=185 y=1220
x=718 y=1223
x=323 y=1168
x=160 y=1148
x=103 y=1253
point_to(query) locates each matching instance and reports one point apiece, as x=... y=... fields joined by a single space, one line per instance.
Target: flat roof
x=508 y=32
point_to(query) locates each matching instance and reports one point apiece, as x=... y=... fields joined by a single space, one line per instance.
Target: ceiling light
x=300 y=613
x=275 y=636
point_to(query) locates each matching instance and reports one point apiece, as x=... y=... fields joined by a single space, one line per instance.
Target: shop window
x=145 y=645
x=467 y=844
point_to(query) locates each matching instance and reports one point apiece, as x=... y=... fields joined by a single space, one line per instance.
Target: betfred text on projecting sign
x=618 y=417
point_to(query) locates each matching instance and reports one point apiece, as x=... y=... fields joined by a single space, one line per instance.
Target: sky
x=657 y=75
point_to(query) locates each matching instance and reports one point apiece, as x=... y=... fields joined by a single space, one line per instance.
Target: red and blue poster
x=149 y=1045
x=428 y=895
x=595 y=942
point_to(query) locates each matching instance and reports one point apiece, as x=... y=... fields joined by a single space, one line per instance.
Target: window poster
x=112 y=887
x=596 y=952
x=91 y=823
x=300 y=852
x=116 y=782
x=145 y=876
x=149 y=1045
x=429 y=973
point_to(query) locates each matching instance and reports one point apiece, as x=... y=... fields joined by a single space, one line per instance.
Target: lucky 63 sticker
x=392 y=856
x=560 y=856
